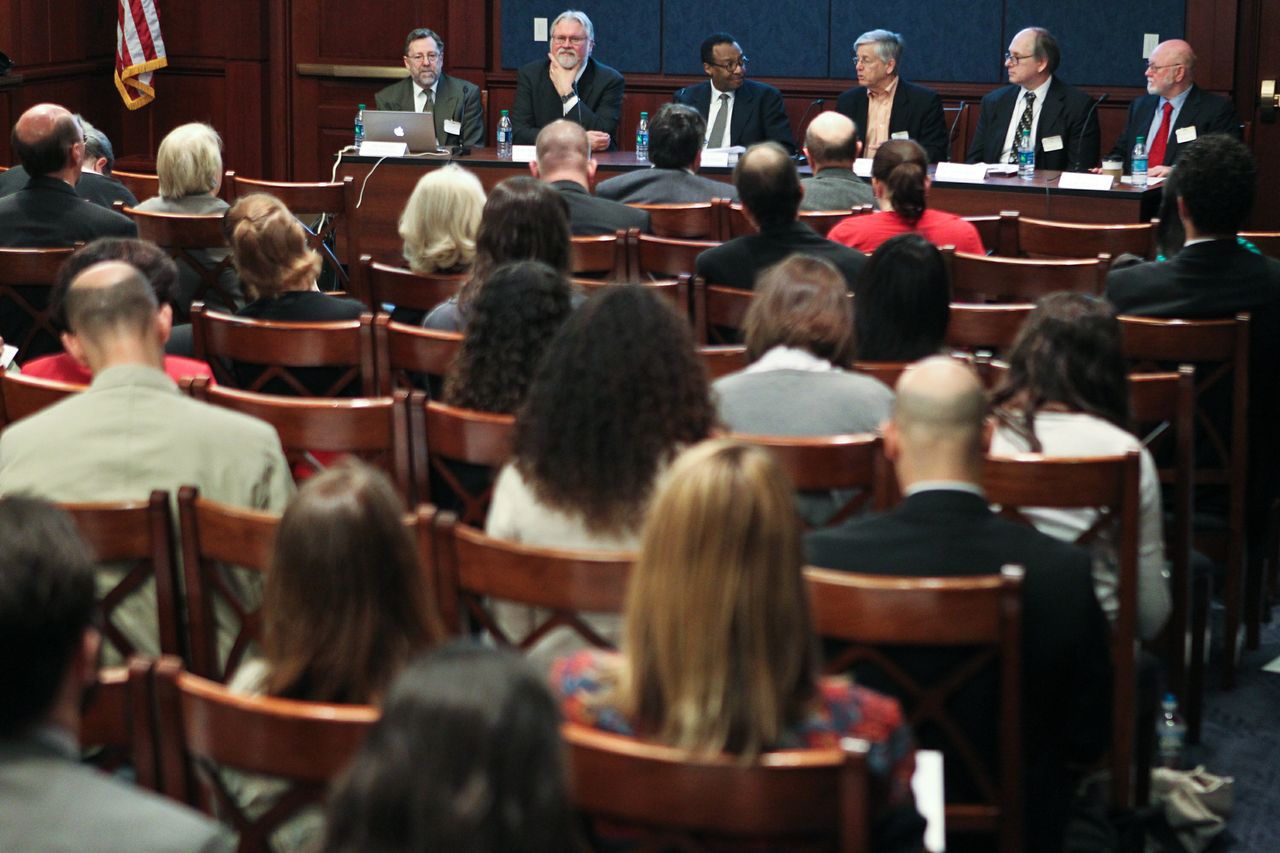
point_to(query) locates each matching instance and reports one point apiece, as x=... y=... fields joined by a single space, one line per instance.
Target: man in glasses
x=569 y=84
x=738 y=111
x=883 y=106
x=1063 y=126
x=454 y=103
x=1175 y=111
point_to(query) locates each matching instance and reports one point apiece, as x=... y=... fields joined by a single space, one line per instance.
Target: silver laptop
x=418 y=130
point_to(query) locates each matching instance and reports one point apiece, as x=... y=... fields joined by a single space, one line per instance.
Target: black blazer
x=537 y=103
x=916 y=110
x=456 y=100
x=1066 y=677
x=737 y=262
x=99 y=189
x=47 y=212
x=1063 y=114
x=1205 y=111
x=758 y=113
x=591 y=215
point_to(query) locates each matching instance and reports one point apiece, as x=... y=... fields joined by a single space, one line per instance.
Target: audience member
x=564 y=161
x=770 y=191
x=675 y=150
x=438 y=227
x=902 y=303
x=96 y=183
x=48 y=661
x=944 y=527
x=1066 y=393
x=831 y=145
x=900 y=180
x=467 y=757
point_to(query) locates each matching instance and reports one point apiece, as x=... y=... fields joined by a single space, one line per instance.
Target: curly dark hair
x=1069 y=352
x=513 y=319
x=619 y=391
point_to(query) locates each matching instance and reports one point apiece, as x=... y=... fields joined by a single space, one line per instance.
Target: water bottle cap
x=644 y=114
x=362 y=106
x=1169 y=698
x=504 y=112
x=1142 y=139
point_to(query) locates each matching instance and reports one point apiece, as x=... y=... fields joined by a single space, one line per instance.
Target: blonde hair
x=269 y=246
x=440 y=221
x=189 y=161
x=719 y=649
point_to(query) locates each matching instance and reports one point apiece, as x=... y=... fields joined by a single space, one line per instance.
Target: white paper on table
x=926 y=784
x=713 y=157
x=383 y=149
x=1084 y=181
x=862 y=167
x=1151 y=182
x=7 y=355
x=524 y=153
x=966 y=173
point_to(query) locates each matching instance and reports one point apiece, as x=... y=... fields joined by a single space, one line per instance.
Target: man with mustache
x=569 y=84
x=738 y=111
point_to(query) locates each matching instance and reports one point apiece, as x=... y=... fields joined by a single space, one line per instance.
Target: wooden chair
x=791 y=799
x=117 y=727
x=678 y=291
x=403 y=352
x=223 y=547
x=719 y=312
x=736 y=223
x=25 y=395
x=203 y=727
x=26 y=279
x=1219 y=349
x=997 y=230
x=692 y=221
x=1268 y=242
x=473 y=570
x=823 y=221
x=721 y=360
x=1108 y=484
x=667 y=257
x=601 y=256
x=372 y=428
x=888 y=372
x=985 y=328
x=137 y=535
x=831 y=463
x=329 y=359
x=194 y=241
x=382 y=284
x=978 y=278
x=978 y=618
x=1042 y=238
x=445 y=437
x=142 y=185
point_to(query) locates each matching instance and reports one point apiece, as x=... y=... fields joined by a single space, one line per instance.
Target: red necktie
x=1156 y=154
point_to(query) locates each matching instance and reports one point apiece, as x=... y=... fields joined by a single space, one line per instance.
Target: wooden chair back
x=791 y=799
x=1043 y=238
x=978 y=278
x=405 y=354
x=188 y=238
x=327 y=359
x=117 y=728
x=686 y=221
x=142 y=185
x=667 y=257
x=719 y=312
x=444 y=437
x=677 y=291
x=203 y=727
x=25 y=395
x=823 y=221
x=600 y=256
x=1268 y=242
x=382 y=284
x=978 y=618
x=474 y=570
x=721 y=360
x=888 y=372
x=736 y=223
x=998 y=231
x=985 y=328
x=852 y=464
x=26 y=280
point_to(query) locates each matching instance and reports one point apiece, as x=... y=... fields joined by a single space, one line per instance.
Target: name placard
x=524 y=153
x=965 y=173
x=383 y=149
x=862 y=167
x=717 y=158
x=1085 y=181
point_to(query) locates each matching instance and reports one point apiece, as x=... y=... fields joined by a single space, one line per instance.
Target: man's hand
x=1159 y=171
x=562 y=78
x=599 y=140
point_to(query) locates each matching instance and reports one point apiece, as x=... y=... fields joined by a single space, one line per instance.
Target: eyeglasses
x=1151 y=67
x=425 y=57
x=573 y=40
x=732 y=65
x=859 y=61
x=1009 y=56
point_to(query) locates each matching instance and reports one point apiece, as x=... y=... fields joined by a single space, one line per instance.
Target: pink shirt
x=867 y=231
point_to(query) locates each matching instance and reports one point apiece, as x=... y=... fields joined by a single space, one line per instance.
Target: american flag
x=139 y=51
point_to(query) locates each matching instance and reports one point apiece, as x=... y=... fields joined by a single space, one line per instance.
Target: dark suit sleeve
x=523 y=122
x=608 y=104
x=933 y=128
x=472 y=117
x=390 y=97
x=1221 y=118
x=774 y=121
x=977 y=146
x=1124 y=142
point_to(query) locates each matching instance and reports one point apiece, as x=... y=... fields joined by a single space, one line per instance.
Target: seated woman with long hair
x=1066 y=393
x=900 y=180
x=718 y=653
x=902 y=301
x=523 y=220
x=466 y=758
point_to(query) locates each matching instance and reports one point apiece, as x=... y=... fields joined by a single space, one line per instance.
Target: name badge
x=901 y=134
x=1185 y=134
x=454 y=127
x=1051 y=143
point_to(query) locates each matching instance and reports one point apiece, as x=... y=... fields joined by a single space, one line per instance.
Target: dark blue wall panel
x=945 y=41
x=782 y=39
x=628 y=32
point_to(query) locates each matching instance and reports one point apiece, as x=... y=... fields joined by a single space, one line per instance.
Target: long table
x=384 y=185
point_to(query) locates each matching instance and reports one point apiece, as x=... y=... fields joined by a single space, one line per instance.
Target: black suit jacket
x=916 y=110
x=737 y=262
x=456 y=100
x=1205 y=111
x=591 y=215
x=758 y=113
x=538 y=104
x=1066 y=678
x=99 y=189
x=1063 y=114
x=47 y=212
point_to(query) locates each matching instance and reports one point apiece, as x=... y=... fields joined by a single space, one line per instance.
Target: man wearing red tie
x=1175 y=112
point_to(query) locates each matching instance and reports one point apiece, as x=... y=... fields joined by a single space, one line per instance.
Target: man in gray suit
x=48 y=656
x=563 y=160
x=675 y=149
x=454 y=103
x=831 y=145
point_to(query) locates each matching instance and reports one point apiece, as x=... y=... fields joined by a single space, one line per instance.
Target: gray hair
x=580 y=17
x=96 y=144
x=888 y=45
x=189 y=161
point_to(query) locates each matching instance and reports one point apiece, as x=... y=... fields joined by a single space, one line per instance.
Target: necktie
x=428 y=102
x=717 y=128
x=1155 y=155
x=1024 y=126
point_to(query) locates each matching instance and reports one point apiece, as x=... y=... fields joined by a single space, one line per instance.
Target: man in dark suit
x=46 y=211
x=738 y=111
x=944 y=527
x=1061 y=118
x=675 y=149
x=770 y=191
x=454 y=104
x=1174 y=109
x=564 y=161
x=95 y=184
x=569 y=84
x=903 y=110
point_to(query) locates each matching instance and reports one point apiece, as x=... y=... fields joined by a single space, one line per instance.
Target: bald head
x=831 y=140
x=109 y=300
x=768 y=184
x=563 y=152
x=49 y=141
x=1171 y=68
x=936 y=429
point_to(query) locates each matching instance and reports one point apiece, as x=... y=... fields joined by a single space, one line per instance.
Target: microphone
x=817 y=102
x=951 y=132
x=1083 y=128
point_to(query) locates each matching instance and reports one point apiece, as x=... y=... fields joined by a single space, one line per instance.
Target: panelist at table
x=569 y=84
x=454 y=103
x=883 y=106
x=1060 y=117
x=738 y=111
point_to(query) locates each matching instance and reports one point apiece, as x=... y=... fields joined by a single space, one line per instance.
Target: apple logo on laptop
x=399 y=131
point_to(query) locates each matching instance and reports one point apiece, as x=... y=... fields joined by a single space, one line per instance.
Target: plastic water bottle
x=1139 y=163
x=505 y=133
x=642 y=138
x=1026 y=157
x=359 y=126
x=1171 y=734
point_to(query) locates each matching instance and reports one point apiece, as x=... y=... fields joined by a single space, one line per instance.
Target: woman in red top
x=900 y=180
